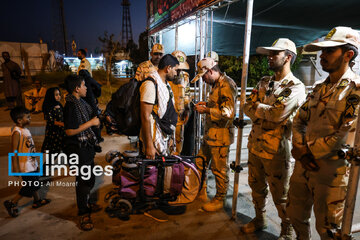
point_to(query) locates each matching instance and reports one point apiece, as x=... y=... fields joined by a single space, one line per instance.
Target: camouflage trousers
x=325 y=190
x=179 y=137
x=273 y=173
x=219 y=166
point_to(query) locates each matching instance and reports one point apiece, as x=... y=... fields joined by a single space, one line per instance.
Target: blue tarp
x=302 y=21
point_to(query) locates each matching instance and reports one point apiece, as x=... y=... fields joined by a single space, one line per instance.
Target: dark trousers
x=32 y=185
x=84 y=182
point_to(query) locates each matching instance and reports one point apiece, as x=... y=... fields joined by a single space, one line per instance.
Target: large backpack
x=123 y=111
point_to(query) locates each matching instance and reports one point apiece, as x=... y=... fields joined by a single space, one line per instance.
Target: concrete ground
x=58 y=220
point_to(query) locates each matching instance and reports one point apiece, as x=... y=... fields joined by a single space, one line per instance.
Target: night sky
x=86 y=20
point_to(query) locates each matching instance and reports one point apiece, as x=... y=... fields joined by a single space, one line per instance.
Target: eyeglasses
x=158 y=54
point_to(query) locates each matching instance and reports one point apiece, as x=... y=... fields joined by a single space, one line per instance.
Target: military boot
x=256 y=224
x=214 y=205
x=286 y=231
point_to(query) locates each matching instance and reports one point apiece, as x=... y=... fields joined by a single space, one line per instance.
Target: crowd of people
x=316 y=125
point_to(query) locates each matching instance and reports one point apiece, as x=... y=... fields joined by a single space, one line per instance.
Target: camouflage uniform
x=85 y=65
x=181 y=92
x=219 y=132
x=323 y=124
x=144 y=69
x=271 y=107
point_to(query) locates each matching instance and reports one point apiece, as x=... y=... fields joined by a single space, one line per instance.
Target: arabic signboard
x=162 y=13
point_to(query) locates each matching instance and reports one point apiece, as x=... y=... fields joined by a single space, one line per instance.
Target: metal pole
x=211 y=29
x=201 y=54
x=196 y=116
x=160 y=37
x=244 y=75
x=352 y=187
x=176 y=36
x=63 y=26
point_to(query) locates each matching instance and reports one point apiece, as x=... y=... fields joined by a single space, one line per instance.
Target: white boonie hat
x=203 y=66
x=338 y=36
x=280 y=44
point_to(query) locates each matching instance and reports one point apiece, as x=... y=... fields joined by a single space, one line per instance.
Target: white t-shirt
x=26 y=145
x=148 y=94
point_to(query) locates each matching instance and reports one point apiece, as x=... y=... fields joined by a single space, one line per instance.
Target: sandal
x=85 y=223
x=11 y=208
x=40 y=203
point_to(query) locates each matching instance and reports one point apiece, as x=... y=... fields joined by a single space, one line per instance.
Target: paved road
x=58 y=220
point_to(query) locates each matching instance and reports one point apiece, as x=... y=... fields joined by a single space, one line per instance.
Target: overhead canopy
x=302 y=21
x=299 y=20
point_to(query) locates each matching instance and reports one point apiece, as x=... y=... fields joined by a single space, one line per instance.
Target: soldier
x=323 y=124
x=145 y=68
x=271 y=107
x=181 y=90
x=84 y=63
x=219 y=129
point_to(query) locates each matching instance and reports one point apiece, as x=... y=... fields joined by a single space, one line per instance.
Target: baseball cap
x=158 y=48
x=338 y=36
x=181 y=57
x=203 y=66
x=280 y=44
x=213 y=55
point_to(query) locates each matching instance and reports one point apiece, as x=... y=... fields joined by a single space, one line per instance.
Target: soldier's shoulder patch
x=351 y=104
x=344 y=83
x=284 y=82
x=285 y=93
x=353 y=99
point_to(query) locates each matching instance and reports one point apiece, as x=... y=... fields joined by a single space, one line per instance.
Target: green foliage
x=110 y=47
x=258 y=67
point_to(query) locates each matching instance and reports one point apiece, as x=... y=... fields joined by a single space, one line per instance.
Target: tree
x=258 y=67
x=109 y=49
x=141 y=53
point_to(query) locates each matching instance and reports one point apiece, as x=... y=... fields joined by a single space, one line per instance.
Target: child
x=22 y=142
x=80 y=139
x=53 y=114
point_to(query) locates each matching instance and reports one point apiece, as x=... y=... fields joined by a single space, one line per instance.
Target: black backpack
x=123 y=111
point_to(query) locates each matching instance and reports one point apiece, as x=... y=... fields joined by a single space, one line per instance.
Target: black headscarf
x=49 y=101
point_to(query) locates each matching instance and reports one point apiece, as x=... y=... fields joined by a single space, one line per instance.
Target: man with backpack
x=157 y=112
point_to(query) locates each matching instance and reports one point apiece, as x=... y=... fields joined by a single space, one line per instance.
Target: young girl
x=53 y=114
